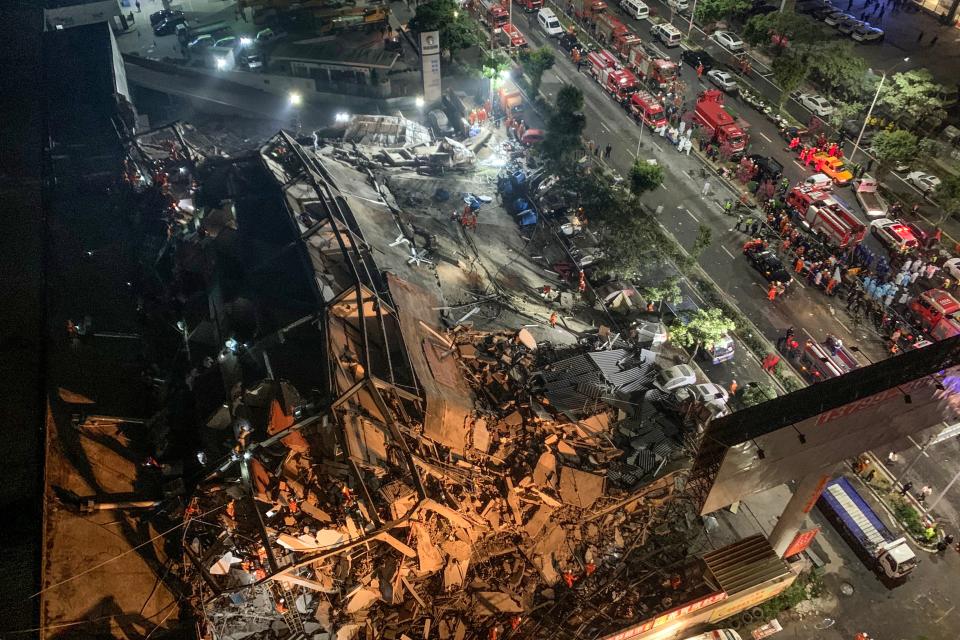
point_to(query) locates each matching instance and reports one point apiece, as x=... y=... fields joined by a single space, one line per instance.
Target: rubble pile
x=303 y=539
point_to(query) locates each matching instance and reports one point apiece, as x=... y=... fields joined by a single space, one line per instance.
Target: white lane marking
x=799 y=284
x=918 y=446
x=605 y=127
x=760 y=133
x=839 y=322
x=695 y=218
x=799 y=165
x=728 y=253
x=810 y=335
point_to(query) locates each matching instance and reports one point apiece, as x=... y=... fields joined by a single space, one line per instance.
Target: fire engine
x=825 y=216
x=936 y=312
x=492 y=13
x=647 y=109
x=824 y=361
x=530 y=5
x=589 y=9
x=609 y=27
x=606 y=70
x=511 y=37
x=718 y=123
x=656 y=73
x=624 y=42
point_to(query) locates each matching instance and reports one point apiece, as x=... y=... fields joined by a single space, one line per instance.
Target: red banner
x=801 y=542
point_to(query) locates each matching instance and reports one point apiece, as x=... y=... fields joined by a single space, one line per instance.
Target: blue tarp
x=859 y=503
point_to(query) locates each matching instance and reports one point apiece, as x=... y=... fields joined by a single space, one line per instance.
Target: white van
x=635 y=9
x=678 y=5
x=549 y=23
x=668 y=34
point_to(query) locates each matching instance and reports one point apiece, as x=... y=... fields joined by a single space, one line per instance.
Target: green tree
x=704 y=329
x=757 y=393
x=891 y=148
x=702 y=241
x=781 y=30
x=535 y=63
x=713 y=10
x=914 y=97
x=789 y=71
x=629 y=249
x=564 y=129
x=841 y=71
x=457 y=30
x=666 y=290
x=493 y=63
x=645 y=176
x=947 y=196
x=846 y=111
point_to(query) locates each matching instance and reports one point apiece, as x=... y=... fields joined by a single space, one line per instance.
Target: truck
x=589 y=10
x=873 y=205
x=492 y=13
x=530 y=6
x=827 y=360
x=645 y=108
x=609 y=27
x=511 y=37
x=624 y=42
x=657 y=73
x=865 y=532
x=611 y=75
x=825 y=216
x=936 y=312
x=719 y=124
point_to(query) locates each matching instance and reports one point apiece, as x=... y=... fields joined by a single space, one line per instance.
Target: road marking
x=945 y=615
x=760 y=133
x=695 y=218
x=799 y=165
x=799 y=284
x=605 y=127
x=810 y=335
x=918 y=446
x=727 y=251
x=839 y=322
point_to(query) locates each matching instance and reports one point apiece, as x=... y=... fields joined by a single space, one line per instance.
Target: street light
x=419 y=101
x=342 y=116
x=690 y=24
x=295 y=99
x=883 y=76
x=245 y=42
x=221 y=64
x=505 y=74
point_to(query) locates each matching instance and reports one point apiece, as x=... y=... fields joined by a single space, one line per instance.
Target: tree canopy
x=713 y=10
x=535 y=63
x=704 y=329
x=457 y=30
x=782 y=30
x=913 y=95
x=645 y=176
x=947 y=196
x=756 y=393
x=790 y=69
x=891 y=148
x=843 y=73
x=564 y=128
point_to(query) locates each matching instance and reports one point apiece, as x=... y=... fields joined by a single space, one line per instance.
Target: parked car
x=767 y=167
x=549 y=23
x=724 y=80
x=851 y=24
x=266 y=35
x=164 y=15
x=568 y=42
x=636 y=9
x=769 y=266
x=952 y=266
x=251 y=60
x=439 y=123
x=708 y=393
x=666 y=33
x=834 y=18
x=867 y=33
x=759 y=8
x=532 y=136
x=728 y=40
x=697 y=57
x=923 y=181
x=834 y=167
x=168 y=27
x=815 y=103
x=201 y=42
x=678 y=5
x=895 y=235
x=810 y=6
x=673 y=378
x=230 y=42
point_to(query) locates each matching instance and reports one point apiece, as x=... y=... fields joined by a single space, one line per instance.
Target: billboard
x=801 y=541
x=816 y=427
x=430 y=65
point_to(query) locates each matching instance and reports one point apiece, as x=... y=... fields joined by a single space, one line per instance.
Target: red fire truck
x=824 y=361
x=492 y=13
x=825 y=216
x=647 y=109
x=589 y=10
x=606 y=70
x=937 y=312
x=609 y=27
x=511 y=37
x=719 y=124
x=624 y=42
x=656 y=73
x=530 y=5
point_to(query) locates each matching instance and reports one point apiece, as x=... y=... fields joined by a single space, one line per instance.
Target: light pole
x=640 y=138
x=693 y=10
x=295 y=101
x=883 y=76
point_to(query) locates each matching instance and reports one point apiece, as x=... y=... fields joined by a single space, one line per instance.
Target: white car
x=923 y=181
x=952 y=267
x=708 y=393
x=815 y=103
x=673 y=378
x=636 y=9
x=728 y=40
x=678 y=5
x=722 y=79
x=834 y=19
x=867 y=33
x=549 y=23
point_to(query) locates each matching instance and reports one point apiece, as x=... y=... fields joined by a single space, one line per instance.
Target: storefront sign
x=668 y=616
x=801 y=542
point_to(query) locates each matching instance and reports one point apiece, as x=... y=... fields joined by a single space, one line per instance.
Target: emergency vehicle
x=624 y=42
x=647 y=109
x=530 y=6
x=589 y=9
x=824 y=361
x=825 y=216
x=833 y=167
x=656 y=73
x=937 y=312
x=492 y=13
x=609 y=27
x=607 y=71
x=511 y=37
x=896 y=235
x=719 y=124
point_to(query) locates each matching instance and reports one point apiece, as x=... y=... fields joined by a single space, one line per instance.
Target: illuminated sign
x=430 y=65
x=668 y=616
x=801 y=542
x=737 y=605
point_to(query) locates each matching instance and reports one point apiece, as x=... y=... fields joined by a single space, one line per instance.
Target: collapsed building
x=385 y=470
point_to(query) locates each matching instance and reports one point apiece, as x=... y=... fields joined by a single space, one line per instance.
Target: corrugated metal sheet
x=745 y=564
x=608 y=362
x=569 y=368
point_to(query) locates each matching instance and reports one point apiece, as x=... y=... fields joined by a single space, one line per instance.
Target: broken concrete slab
x=580 y=488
